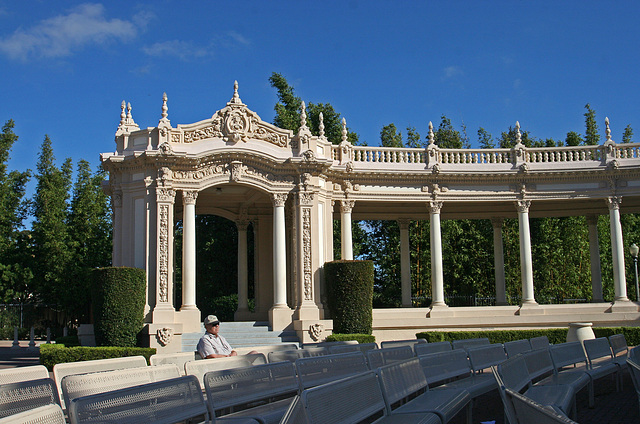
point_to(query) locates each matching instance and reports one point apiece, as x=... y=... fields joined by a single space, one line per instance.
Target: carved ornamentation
x=175 y=137
x=349 y=167
x=305 y=178
x=189 y=197
x=309 y=156
x=315 y=331
x=613 y=165
x=164 y=335
x=116 y=198
x=436 y=169
x=163 y=250
x=212 y=131
x=305 y=199
x=237 y=170
x=346 y=206
x=306 y=252
x=524 y=168
x=434 y=206
x=279 y=199
x=614 y=202
x=165 y=194
x=523 y=206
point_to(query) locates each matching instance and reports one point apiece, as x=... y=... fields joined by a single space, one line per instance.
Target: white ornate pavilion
x=291 y=187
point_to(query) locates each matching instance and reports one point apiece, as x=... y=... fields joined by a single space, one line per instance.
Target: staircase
x=242 y=334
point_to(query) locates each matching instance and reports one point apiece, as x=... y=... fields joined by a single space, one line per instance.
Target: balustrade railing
x=469 y=156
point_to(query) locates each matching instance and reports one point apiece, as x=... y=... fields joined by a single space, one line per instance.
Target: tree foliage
x=591 y=135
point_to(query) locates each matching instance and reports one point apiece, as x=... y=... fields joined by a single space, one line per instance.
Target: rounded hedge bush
x=350 y=295
x=118 y=299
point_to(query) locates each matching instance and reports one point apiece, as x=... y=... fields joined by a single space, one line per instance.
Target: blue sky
x=67 y=66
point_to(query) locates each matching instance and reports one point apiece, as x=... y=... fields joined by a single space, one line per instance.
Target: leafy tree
x=288 y=107
x=591 y=136
x=390 y=137
x=509 y=138
x=50 y=232
x=485 y=140
x=14 y=272
x=446 y=136
x=573 y=139
x=413 y=138
x=627 y=136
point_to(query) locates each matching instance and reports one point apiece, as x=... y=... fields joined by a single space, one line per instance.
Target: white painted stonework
x=292 y=186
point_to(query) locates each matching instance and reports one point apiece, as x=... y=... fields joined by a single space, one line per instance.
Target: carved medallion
x=315 y=331
x=164 y=335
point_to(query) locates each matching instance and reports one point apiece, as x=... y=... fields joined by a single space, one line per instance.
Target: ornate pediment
x=233 y=124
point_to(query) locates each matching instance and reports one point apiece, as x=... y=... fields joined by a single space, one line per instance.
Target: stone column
x=617 y=250
x=189 y=249
x=306 y=306
x=279 y=252
x=526 y=262
x=346 y=206
x=594 y=255
x=405 y=262
x=498 y=261
x=163 y=312
x=437 y=275
x=243 y=268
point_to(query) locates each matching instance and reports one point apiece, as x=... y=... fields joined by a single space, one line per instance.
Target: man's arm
x=216 y=355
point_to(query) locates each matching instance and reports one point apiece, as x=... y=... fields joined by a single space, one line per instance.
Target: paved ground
x=611 y=407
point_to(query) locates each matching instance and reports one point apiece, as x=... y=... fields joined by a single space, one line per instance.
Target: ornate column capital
x=497 y=222
x=189 y=197
x=279 y=199
x=434 y=206
x=346 y=206
x=165 y=195
x=523 y=205
x=305 y=199
x=242 y=225
x=592 y=219
x=614 y=202
x=403 y=223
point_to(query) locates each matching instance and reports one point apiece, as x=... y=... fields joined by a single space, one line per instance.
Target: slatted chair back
x=541 y=342
x=515 y=347
x=567 y=354
x=78 y=385
x=18 y=374
x=539 y=364
x=314 y=371
x=162 y=402
x=317 y=350
x=530 y=411
x=25 y=395
x=443 y=366
x=244 y=386
x=397 y=343
x=507 y=403
x=400 y=380
x=428 y=348
x=377 y=358
x=82 y=367
x=344 y=348
x=514 y=374
x=598 y=350
x=619 y=345
x=468 y=343
x=48 y=414
x=266 y=348
x=286 y=355
x=200 y=368
x=634 y=368
x=634 y=353
x=483 y=357
x=179 y=359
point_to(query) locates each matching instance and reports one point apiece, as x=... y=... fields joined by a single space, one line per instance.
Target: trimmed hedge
x=555 y=335
x=118 y=298
x=360 y=338
x=51 y=354
x=350 y=295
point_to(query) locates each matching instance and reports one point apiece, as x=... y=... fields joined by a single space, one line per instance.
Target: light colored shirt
x=210 y=344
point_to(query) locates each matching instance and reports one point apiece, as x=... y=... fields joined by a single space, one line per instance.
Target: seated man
x=212 y=345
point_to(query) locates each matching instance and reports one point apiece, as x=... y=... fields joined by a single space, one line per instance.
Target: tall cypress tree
x=591 y=136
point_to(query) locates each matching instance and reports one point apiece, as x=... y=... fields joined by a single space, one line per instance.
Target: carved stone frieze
x=306 y=252
x=163 y=252
x=237 y=171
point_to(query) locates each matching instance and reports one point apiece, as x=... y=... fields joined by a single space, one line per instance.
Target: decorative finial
x=123 y=115
x=236 y=98
x=164 y=106
x=518 y=134
x=321 y=124
x=432 y=138
x=344 y=130
x=303 y=115
x=129 y=111
x=607 y=130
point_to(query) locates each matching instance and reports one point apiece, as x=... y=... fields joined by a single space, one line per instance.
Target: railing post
x=15 y=338
x=32 y=341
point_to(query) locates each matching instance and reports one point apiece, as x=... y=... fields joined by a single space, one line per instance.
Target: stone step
x=243 y=334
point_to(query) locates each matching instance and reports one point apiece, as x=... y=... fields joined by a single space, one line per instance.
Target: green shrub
x=51 y=354
x=360 y=338
x=68 y=341
x=555 y=335
x=350 y=295
x=118 y=299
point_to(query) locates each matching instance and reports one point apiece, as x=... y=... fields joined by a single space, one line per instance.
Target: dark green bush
x=350 y=295
x=555 y=335
x=68 y=341
x=360 y=338
x=118 y=299
x=52 y=354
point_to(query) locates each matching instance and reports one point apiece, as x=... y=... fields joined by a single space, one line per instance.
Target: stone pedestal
x=86 y=335
x=580 y=331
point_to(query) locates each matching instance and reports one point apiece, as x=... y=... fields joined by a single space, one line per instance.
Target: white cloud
x=452 y=72
x=176 y=48
x=61 y=35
